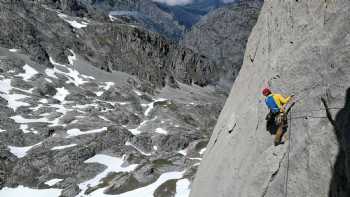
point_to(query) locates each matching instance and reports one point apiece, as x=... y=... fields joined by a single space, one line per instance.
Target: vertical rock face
x=301 y=47
x=222 y=36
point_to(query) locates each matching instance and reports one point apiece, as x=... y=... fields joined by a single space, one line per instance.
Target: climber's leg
x=280 y=122
x=285 y=126
x=278 y=135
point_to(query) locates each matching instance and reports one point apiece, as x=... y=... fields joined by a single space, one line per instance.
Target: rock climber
x=277 y=116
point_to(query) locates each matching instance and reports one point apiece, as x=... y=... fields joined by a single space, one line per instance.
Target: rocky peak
x=222 y=35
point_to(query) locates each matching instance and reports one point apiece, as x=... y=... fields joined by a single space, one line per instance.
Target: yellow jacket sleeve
x=282 y=100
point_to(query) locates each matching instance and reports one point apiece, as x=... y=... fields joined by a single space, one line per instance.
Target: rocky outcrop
x=300 y=47
x=222 y=36
x=146 y=55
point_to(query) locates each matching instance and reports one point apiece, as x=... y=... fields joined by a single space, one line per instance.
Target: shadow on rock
x=340 y=183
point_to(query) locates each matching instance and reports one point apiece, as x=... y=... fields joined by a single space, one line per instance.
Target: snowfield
x=42 y=112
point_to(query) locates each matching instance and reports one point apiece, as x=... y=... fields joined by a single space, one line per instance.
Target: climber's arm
x=282 y=99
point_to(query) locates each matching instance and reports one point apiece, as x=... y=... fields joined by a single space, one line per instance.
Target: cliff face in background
x=222 y=36
x=40 y=29
x=144 y=13
x=168 y=20
x=189 y=14
x=301 y=47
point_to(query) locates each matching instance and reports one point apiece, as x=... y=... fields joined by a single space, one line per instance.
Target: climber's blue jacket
x=276 y=102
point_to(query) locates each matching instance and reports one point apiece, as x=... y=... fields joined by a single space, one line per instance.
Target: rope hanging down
x=288 y=151
x=329 y=116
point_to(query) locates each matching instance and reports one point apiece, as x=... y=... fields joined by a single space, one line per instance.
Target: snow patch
x=138 y=93
x=45 y=101
x=112 y=18
x=29 y=72
x=161 y=131
x=77 y=132
x=73 y=75
x=150 y=106
x=25 y=129
x=146 y=191
x=53 y=182
x=63 y=147
x=30 y=91
x=182 y=188
x=85 y=106
x=13 y=50
x=202 y=151
x=73 y=23
x=129 y=144
x=195 y=158
x=13 y=99
x=183 y=152
x=113 y=164
x=25 y=191
x=99 y=93
x=20 y=119
x=72 y=58
x=108 y=85
x=104 y=118
x=61 y=94
x=21 y=151
x=137 y=130
x=49 y=80
x=122 y=103
x=88 y=77
x=51 y=73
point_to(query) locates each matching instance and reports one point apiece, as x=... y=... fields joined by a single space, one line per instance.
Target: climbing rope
x=290 y=141
x=309 y=113
x=288 y=150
